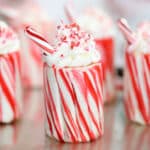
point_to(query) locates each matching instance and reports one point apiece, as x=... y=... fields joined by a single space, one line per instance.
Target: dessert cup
x=73 y=84
x=26 y=13
x=10 y=85
x=74 y=102
x=137 y=87
x=10 y=89
x=106 y=48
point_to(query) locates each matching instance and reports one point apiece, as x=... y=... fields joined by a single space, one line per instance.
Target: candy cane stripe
x=54 y=112
x=138 y=69
x=67 y=112
x=8 y=93
x=77 y=100
x=9 y=64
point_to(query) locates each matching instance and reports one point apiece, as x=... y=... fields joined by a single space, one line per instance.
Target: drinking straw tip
x=125 y=28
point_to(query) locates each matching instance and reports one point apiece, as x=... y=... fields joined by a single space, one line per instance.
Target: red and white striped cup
x=106 y=48
x=25 y=14
x=74 y=102
x=10 y=87
x=137 y=87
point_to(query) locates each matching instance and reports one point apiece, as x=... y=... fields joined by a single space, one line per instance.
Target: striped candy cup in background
x=10 y=87
x=137 y=87
x=74 y=102
x=106 y=48
x=25 y=14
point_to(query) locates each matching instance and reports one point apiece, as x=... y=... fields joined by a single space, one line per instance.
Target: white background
x=55 y=8
x=134 y=10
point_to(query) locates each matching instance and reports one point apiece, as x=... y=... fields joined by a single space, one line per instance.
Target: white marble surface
x=55 y=9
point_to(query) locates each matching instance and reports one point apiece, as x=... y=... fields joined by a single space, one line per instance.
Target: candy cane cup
x=137 y=87
x=10 y=87
x=107 y=49
x=25 y=14
x=74 y=102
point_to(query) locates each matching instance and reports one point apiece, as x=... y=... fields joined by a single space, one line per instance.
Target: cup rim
x=127 y=51
x=9 y=53
x=77 y=67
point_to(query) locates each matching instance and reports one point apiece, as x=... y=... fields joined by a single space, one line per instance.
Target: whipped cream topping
x=73 y=47
x=144 y=30
x=8 y=39
x=142 y=42
x=96 y=22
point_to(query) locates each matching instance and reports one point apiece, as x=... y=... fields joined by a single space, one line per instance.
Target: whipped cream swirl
x=73 y=48
x=96 y=22
x=8 y=39
x=142 y=42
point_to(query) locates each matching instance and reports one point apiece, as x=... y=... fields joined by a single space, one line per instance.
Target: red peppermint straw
x=70 y=11
x=8 y=13
x=39 y=40
x=128 y=33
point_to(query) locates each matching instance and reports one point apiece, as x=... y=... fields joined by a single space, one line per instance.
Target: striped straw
x=39 y=40
x=128 y=33
x=8 y=13
x=70 y=11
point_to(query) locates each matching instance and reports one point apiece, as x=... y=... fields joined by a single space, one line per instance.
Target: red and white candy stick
x=74 y=110
x=34 y=53
x=128 y=33
x=39 y=39
x=8 y=13
x=69 y=10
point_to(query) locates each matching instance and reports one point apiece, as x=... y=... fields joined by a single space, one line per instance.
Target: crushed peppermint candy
x=73 y=48
x=8 y=39
x=73 y=36
x=5 y=34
